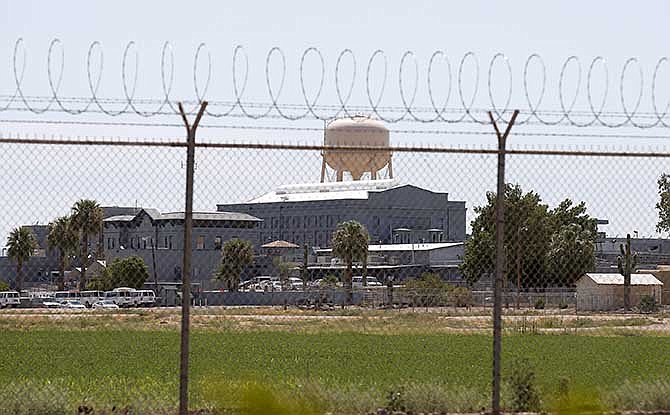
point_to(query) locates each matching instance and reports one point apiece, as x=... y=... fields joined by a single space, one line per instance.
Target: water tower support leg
x=323 y=171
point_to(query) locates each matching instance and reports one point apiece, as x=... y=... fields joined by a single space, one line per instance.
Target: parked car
x=105 y=304
x=357 y=282
x=50 y=303
x=74 y=304
x=295 y=284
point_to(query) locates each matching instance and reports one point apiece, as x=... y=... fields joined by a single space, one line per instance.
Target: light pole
x=153 y=260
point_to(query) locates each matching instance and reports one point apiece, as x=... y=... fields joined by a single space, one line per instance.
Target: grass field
x=350 y=370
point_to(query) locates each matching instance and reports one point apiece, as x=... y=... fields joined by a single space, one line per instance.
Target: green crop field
x=140 y=367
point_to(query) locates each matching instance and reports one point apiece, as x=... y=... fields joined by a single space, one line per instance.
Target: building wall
x=593 y=297
x=125 y=239
x=313 y=222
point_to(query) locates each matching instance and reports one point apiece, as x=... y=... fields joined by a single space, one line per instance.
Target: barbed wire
x=284 y=128
x=463 y=109
x=627 y=150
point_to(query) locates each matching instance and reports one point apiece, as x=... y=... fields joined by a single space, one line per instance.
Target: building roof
x=211 y=216
x=120 y=218
x=405 y=247
x=359 y=189
x=617 y=279
x=280 y=244
x=234 y=216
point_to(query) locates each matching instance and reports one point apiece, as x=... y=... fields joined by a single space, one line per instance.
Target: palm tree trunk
x=61 y=273
x=347 y=283
x=19 y=276
x=84 y=261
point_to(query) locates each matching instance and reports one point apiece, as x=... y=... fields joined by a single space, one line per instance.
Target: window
x=170 y=242
x=166 y=242
x=144 y=243
x=132 y=243
x=200 y=242
x=217 y=242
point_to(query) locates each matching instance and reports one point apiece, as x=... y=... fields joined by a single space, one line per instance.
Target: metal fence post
x=500 y=261
x=186 y=271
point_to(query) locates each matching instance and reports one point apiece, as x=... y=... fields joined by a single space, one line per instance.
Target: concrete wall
x=214 y=298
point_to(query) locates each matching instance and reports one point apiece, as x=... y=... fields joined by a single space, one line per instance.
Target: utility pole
x=500 y=260
x=186 y=271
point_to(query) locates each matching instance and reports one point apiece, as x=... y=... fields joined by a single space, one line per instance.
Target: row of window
x=331 y=221
x=302 y=221
x=147 y=242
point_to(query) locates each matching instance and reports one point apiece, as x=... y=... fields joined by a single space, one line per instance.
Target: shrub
x=648 y=304
x=427 y=291
x=563 y=305
x=395 y=400
x=462 y=297
x=4 y=286
x=643 y=396
x=524 y=395
x=539 y=304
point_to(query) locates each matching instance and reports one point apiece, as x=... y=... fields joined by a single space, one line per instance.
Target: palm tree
x=350 y=244
x=87 y=220
x=21 y=245
x=235 y=255
x=62 y=236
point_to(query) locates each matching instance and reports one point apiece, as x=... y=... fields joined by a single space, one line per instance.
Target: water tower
x=351 y=132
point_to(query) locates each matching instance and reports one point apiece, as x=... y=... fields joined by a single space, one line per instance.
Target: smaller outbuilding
x=602 y=292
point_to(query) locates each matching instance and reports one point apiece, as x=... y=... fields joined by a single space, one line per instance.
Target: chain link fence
x=315 y=295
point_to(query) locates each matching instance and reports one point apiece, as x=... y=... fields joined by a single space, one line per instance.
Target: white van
x=123 y=296
x=144 y=298
x=60 y=296
x=88 y=298
x=9 y=299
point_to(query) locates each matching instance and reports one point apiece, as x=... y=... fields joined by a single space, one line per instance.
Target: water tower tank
x=357 y=131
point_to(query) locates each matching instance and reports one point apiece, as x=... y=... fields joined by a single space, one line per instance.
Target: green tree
x=128 y=272
x=21 y=245
x=284 y=271
x=543 y=247
x=572 y=247
x=663 y=204
x=526 y=238
x=4 y=286
x=235 y=255
x=62 y=236
x=350 y=244
x=87 y=220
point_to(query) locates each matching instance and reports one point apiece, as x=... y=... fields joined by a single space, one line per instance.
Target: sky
x=42 y=182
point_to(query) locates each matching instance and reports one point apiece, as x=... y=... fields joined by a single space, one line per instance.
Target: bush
x=539 y=304
x=523 y=392
x=462 y=297
x=4 y=286
x=643 y=396
x=648 y=304
x=427 y=291
x=563 y=305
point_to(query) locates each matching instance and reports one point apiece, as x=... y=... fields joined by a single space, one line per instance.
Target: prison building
x=392 y=212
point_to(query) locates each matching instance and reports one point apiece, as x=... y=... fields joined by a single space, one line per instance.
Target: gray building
x=391 y=211
x=158 y=238
x=42 y=267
